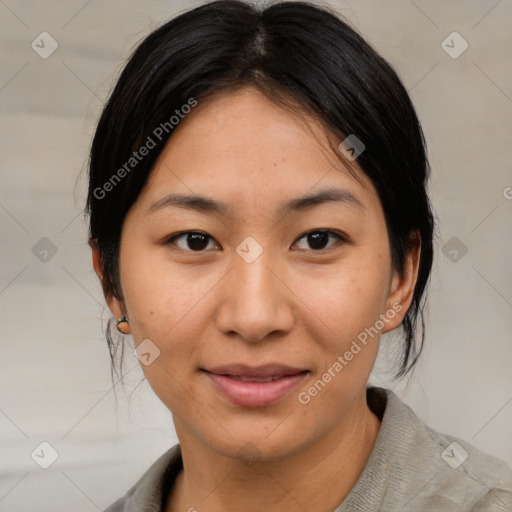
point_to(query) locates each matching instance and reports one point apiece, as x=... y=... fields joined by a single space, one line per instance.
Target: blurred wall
x=54 y=362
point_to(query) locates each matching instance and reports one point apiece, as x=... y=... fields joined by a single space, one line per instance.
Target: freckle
x=151 y=312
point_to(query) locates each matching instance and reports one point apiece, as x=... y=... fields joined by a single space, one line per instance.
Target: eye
x=197 y=241
x=318 y=239
x=194 y=241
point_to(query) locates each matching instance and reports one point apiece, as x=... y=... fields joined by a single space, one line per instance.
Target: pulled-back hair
x=298 y=54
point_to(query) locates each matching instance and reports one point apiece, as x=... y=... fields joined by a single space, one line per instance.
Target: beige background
x=54 y=362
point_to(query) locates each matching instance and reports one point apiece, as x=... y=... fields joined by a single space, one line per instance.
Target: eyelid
x=340 y=236
x=170 y=239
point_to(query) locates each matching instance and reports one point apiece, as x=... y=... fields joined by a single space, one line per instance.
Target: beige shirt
x=411 y=468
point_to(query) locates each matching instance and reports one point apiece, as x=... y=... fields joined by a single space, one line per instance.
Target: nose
x=255 y=300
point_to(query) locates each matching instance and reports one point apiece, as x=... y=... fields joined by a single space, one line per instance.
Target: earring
x=122 y=325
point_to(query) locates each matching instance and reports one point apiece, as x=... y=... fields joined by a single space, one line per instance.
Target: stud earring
x=122 y=325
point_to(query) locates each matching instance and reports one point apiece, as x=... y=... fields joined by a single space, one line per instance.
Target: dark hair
x=297 y=53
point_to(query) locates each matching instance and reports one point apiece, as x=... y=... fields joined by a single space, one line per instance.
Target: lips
x=255 y=379
x=255 y=386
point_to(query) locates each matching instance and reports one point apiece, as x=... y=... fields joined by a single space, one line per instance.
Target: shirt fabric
x=411 y=468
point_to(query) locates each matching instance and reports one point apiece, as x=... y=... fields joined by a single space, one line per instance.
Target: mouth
x=255 y=386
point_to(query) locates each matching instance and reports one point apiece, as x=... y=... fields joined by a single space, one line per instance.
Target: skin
x=294 y=305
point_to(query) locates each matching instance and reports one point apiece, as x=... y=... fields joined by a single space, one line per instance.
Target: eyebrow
x=208 y=205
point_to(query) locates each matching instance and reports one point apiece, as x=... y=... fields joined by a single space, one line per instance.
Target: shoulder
x=424 y=469
x=495 y=500
x=148 y=493
x=476 y=481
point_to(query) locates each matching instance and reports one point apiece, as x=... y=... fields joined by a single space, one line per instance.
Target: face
x=257 y=299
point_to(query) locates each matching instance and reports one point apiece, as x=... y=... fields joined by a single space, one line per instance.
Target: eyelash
x=171 y=240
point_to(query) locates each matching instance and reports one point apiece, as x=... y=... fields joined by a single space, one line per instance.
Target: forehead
x=242 y=145
x=246 y=125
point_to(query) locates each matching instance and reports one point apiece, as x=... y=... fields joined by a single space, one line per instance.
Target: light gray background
x=54 y=361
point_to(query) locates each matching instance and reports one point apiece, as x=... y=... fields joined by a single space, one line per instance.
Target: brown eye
x=193 y=241
x=319 y=239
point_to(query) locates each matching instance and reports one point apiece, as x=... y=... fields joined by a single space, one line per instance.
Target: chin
x=270 y=441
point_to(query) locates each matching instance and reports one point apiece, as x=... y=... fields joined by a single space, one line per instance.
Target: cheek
x=168 y=308
x=349 y=297
x=346 y=307
x=171 y=306
x=161 y=296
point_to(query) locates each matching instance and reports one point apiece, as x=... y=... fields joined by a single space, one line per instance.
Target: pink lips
x=255 y=386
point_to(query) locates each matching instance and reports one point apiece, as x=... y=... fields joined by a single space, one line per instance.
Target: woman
x=258 y=219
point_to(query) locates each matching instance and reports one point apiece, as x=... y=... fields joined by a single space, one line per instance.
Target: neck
x=329 y=468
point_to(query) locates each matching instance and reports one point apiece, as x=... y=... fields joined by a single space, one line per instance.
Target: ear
x=402 y=285
x=114 y=304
